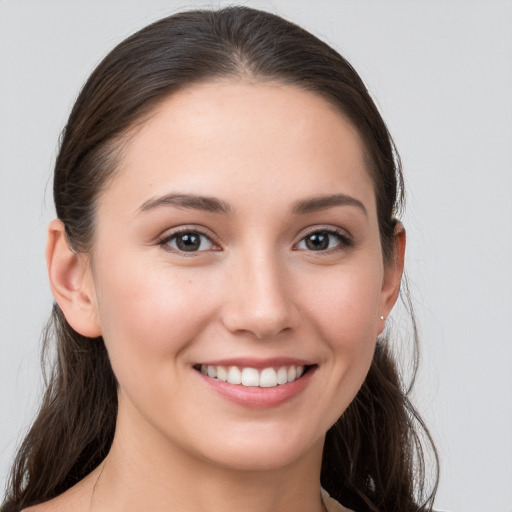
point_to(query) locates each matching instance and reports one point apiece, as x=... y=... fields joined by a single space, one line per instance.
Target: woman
x=225 y=257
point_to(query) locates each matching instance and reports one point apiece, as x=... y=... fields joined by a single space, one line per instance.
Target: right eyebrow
x=318 y=203
x=188 y=201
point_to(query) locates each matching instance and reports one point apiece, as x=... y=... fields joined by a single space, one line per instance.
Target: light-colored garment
x=331 y=504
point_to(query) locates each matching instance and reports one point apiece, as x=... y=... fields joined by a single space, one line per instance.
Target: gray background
x=441 y=73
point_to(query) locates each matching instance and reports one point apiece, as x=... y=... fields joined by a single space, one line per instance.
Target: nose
x=260 y=300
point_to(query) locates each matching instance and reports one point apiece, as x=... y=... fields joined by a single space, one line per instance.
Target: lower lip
x=257 y=397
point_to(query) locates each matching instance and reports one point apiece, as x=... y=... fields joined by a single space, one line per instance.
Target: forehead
x=261 y=138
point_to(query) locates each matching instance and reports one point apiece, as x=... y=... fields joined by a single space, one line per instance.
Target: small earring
x=382 y=318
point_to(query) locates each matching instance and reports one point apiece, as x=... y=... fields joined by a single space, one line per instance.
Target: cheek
x=346 y=304
x=345 y=314
x=149 y=313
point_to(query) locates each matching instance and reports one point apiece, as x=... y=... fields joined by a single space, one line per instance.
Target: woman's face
x=239 y=239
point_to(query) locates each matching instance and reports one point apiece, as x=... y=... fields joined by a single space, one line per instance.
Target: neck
x=151 y=473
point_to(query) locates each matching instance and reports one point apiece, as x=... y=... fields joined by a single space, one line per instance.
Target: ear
x=71 y=282
x=393 y=273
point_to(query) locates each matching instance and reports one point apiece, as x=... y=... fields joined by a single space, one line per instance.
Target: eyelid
x=345 y=238
x=164 y=239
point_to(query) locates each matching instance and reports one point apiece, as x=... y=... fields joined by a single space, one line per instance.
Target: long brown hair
x=374 y=454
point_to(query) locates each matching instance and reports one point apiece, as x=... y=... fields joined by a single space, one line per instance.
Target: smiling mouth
x=252 y=377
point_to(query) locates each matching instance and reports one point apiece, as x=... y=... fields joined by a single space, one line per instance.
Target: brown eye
x=317 y=241
x=189 y=241
x=323 y=240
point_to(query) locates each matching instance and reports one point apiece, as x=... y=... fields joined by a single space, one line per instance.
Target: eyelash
x=167 y=239
x=344 y=241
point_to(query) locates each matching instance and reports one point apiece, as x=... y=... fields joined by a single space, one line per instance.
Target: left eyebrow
x=319 y=203
x=188 y=201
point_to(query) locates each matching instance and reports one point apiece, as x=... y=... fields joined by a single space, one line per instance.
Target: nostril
x=266 y=331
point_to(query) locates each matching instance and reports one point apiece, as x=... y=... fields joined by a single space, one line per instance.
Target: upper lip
x=258 y=363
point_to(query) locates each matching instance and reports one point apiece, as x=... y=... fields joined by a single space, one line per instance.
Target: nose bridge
x=260 y=300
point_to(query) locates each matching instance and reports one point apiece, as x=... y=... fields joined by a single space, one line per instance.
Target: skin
x=254 y=289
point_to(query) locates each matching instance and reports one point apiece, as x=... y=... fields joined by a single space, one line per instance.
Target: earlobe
x=71 y=282
x=393 y=272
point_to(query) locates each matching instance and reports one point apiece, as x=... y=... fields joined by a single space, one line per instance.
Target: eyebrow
x=315 y=204
x=189 y=201
x=214 y=205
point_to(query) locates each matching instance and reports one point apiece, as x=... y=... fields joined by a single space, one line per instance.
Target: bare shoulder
x=59 y=504
x=48 y=506
x=42 y=507
x=77 y=499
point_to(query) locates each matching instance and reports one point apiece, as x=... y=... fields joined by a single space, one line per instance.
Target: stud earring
x=382 y=318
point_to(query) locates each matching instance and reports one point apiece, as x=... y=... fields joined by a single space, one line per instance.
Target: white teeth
x=234 y=375
x=250 y=377
x=222 y=374
x=282 y=375
x=268 y=378
x=265 y=378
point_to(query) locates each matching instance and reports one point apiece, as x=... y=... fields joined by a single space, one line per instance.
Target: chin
x=263 y=452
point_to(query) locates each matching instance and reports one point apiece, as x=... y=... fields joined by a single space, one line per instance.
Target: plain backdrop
x=441 y=73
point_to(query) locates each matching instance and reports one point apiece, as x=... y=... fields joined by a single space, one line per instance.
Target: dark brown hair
x=373 y=456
